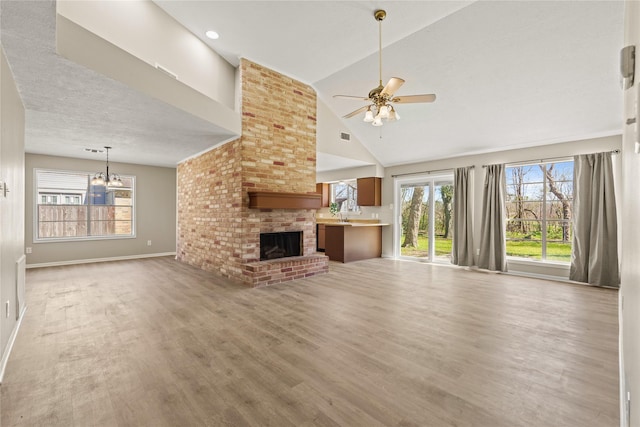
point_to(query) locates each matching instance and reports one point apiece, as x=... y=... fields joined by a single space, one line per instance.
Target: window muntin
x=345 y=194
x=539 y=205
x=68 y=207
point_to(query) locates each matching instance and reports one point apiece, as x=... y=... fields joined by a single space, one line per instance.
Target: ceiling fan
x=381 y=98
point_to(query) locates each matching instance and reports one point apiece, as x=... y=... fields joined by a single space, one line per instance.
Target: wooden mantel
x=276 y=200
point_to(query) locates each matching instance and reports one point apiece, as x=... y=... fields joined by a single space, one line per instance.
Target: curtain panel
x=594 y=257
x=462 y=253
x=493 y=247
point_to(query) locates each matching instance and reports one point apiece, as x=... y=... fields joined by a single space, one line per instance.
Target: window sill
x=526 y=261
x=81 y=239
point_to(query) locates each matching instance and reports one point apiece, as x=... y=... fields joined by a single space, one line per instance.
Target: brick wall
x=278 y=132
x=276 y=152
x=209 y=206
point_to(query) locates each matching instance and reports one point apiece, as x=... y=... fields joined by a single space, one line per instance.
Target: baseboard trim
x=9 y=347
x=92 y=260
x=624 y=415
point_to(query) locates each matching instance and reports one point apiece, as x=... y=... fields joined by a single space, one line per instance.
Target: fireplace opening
x=280 y=245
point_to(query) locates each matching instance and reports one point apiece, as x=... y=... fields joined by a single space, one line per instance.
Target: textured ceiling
x=70 y=108
x=507 y=75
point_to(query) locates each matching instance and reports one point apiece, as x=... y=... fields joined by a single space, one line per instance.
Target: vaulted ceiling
x=506 y=74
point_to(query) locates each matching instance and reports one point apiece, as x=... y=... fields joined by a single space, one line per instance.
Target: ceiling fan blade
x=351 y=97
x=412 y=99
x=392 y=86
x=356 y=112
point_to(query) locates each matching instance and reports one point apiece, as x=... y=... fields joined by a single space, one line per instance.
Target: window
x=539 y=207
x=345 y=194
x=70 y=208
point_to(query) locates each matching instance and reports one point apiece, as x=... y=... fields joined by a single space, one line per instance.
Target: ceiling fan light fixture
x=393 y=115
x=384 y=112
x=381 y=98
x=368 y=116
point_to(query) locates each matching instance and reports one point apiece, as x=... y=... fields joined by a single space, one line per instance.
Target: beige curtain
x=594 y=257
x=493 y=249
x=462 y=218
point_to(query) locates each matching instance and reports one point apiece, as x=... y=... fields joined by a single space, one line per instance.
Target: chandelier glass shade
x=382 y=111
x=107 y=179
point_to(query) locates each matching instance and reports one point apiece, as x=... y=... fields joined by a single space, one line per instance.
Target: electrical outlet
x=29 y=250
x=148 y=242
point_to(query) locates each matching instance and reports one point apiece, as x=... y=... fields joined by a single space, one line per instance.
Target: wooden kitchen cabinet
x=323 y=188
x=350 y=242
x=370 y=191
x=320 y=234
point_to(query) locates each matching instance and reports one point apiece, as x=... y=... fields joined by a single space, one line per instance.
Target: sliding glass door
x=424 y=209
x=414 y=218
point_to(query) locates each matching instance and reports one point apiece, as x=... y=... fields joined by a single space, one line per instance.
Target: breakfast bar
x=353 y=241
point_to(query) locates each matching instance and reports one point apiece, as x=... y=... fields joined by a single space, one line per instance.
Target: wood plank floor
x=373 y=343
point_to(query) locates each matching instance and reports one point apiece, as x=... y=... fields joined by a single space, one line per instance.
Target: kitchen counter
x=352 y=241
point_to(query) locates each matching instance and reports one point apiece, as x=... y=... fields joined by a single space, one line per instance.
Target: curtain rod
x=548 y=159
x=432 y=171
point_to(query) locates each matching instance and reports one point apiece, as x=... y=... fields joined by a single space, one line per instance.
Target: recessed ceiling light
x=212 y=35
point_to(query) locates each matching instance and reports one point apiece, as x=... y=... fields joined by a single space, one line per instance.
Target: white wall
x=328 y=141
x=11 y=206
x=155 y=213
x=350 y=173
x=81 y=45
x=146 y=31
x=543 y=152
x=630 y=287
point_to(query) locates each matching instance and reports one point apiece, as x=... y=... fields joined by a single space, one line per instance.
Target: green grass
x=556 y=251
x=443 y=248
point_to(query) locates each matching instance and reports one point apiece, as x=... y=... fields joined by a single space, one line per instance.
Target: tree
x=446 y=192
x=413 y=222
x=517 y=178
x=555 y=189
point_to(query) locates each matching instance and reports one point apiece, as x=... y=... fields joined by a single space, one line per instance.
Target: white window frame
x=38 y=239
x=427 y=178
x=543 y=221
x=356 y=208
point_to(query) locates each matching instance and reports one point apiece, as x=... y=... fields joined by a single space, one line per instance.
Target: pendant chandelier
x=110 y=180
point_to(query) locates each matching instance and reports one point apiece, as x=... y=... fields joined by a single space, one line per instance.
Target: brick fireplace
x=217 y=230
x=283 y=244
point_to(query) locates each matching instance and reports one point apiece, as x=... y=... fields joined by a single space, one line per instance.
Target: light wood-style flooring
x=373 y=343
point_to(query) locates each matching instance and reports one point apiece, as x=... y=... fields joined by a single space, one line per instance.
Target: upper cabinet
x=323 y=189
x=370 y=191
